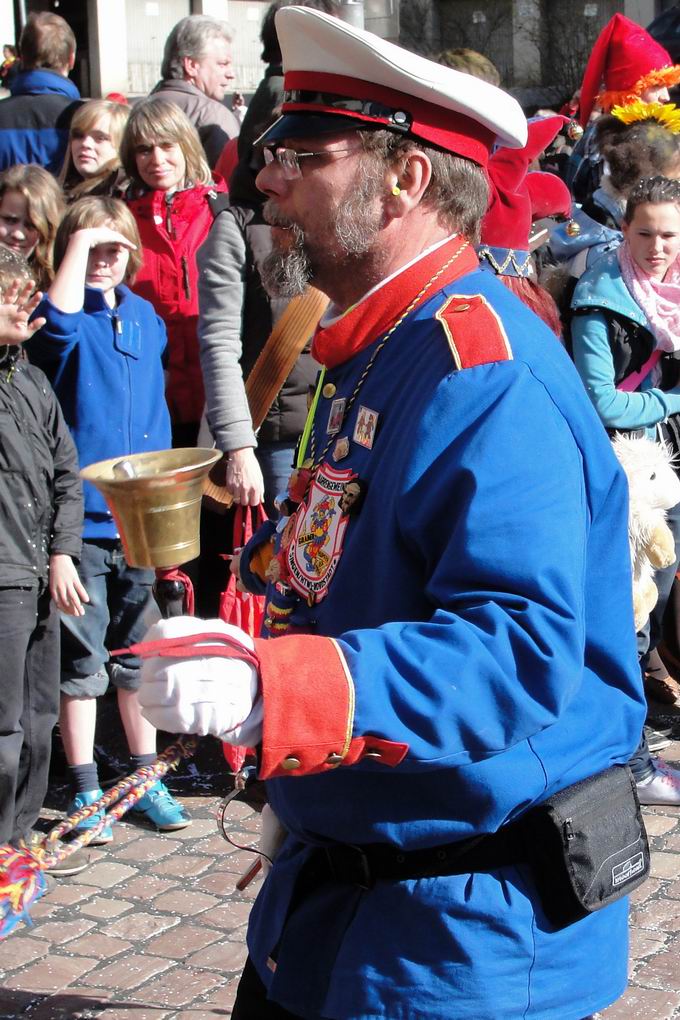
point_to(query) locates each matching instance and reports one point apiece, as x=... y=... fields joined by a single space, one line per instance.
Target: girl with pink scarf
x=625 y=331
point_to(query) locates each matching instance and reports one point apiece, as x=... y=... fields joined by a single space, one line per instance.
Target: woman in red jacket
x=170 y=199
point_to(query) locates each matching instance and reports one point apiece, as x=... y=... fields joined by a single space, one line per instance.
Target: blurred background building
x=539 y=46
x=120 y=42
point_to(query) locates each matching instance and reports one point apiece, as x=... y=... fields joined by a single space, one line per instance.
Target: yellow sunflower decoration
x=665 y=114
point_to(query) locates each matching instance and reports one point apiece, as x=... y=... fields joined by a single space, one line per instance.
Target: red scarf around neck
x=372 y=317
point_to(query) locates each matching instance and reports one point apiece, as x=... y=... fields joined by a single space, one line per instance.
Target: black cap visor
x=309 y=125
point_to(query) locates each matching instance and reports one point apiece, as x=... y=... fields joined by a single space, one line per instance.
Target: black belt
x=361 y=867
x=365 y=865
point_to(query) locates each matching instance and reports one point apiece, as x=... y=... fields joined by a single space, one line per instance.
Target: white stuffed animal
x=654 y=488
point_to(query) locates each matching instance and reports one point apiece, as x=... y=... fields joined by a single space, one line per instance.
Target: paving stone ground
x=654 y=986
x=155 y=930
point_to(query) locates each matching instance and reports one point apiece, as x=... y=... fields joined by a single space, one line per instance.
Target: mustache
x=275 y=218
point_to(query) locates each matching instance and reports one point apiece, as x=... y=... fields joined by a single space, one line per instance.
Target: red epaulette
x=474 y=332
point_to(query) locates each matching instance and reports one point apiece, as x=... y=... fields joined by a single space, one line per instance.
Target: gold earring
x=396 y=190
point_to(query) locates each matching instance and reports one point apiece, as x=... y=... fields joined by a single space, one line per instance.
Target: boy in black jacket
x=41 y=515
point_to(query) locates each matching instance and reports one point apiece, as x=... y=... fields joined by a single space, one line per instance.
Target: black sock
x=137 y=761
x=84 y=777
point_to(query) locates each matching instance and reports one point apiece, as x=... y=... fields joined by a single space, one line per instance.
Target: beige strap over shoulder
x=275 y=362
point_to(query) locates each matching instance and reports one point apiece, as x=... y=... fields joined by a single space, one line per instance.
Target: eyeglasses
x=288 y=159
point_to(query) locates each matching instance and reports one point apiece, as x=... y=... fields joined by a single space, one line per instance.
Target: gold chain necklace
x=362 y=378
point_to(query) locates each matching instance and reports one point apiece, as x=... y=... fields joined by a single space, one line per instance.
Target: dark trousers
x=652 y=632
x=641 y=763
x=252 y=1002
x=276 y=463
x=115 y=617
x=648 y=638
x=29 y=688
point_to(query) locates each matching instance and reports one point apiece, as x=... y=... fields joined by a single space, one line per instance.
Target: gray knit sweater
x=236 y=317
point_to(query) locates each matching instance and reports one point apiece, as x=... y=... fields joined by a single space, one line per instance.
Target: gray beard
x=287 y=274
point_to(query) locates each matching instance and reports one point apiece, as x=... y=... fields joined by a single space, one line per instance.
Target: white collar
x=333 y=313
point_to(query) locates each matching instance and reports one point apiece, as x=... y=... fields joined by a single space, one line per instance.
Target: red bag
x=240 y=607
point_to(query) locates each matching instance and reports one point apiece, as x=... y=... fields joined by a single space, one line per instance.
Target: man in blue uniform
x=448 y=588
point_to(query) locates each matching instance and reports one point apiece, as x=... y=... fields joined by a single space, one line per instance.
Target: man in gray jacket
x=196 y=72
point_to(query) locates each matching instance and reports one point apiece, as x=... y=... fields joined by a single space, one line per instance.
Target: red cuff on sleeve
x=308 y=696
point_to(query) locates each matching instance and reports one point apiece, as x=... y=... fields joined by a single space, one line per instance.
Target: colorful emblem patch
x=319 y=531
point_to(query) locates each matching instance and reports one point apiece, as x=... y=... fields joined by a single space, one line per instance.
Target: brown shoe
x=73 y=864
x=662 y=688
x=669 y=659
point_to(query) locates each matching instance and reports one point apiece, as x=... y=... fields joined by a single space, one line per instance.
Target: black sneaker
x=71 y=865
x=658 y=736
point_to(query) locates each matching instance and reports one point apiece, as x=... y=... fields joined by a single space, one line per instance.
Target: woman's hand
x=244 y=478
x=19 y=303
x=66 y=588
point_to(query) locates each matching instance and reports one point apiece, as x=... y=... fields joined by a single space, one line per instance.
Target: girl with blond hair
x=31 y=206
x=170 y=198
x=92 y=163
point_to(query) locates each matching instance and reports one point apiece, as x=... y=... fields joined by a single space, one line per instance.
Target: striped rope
x=21 y=878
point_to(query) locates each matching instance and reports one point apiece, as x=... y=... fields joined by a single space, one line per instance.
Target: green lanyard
x=309 y=423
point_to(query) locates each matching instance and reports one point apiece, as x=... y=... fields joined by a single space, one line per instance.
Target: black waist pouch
x=587 y=845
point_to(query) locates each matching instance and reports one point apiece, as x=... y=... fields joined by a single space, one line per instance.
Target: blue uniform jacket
x=106 y=368
x=482 y=621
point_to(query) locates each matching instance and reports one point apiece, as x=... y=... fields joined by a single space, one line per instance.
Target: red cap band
x=450 y=131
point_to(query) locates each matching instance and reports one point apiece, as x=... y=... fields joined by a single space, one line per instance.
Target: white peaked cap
x=334 y=70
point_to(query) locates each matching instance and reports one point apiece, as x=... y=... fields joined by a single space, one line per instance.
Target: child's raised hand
x=66 y=588
x=19 y=303
x=102 y=235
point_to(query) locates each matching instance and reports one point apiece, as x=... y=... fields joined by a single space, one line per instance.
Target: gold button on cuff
x=289 y=764
x=329 y=390
x=334 y=759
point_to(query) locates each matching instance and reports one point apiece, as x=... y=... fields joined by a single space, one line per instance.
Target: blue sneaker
x=162 y=810
x=82 y=800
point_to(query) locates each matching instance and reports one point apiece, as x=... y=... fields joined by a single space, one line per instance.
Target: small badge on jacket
x=365 y=427
x=341 y=449
x=336 y=416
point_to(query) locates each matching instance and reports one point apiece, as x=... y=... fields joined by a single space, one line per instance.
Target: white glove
x=272 y=837
x=205 y=694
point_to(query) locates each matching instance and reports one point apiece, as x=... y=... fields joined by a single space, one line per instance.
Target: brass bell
x=155 y=499
x=572 y=228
